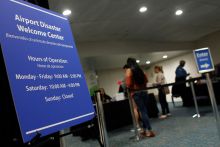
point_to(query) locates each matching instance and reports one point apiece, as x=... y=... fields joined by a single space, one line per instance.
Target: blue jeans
x=141 y=100
x=163 y=102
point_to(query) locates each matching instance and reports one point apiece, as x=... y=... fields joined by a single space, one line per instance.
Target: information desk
x=202 y=94
x=117 y=115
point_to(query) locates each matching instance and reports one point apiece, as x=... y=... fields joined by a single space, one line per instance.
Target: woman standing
x=136 y=113
x=136 y=81
x=160 y=80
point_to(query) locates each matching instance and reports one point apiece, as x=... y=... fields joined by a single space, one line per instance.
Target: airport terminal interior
x=162 y=37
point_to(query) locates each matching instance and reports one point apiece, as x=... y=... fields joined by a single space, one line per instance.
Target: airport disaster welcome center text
x=41 y=24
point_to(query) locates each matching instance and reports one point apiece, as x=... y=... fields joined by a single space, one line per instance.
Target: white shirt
x=160 y=78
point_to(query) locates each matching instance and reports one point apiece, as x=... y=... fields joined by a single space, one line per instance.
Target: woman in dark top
x=136 y=80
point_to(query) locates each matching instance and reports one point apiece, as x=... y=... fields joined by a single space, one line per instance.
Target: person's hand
x=156 y=84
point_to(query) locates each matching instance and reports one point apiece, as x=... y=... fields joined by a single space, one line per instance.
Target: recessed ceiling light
x=143 y=9
x=67 y=12
x=148 y=62
x=138 y=61
x=179 y=12
x=165 y=56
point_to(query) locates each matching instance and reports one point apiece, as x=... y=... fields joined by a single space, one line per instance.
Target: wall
x=100 y=48
x=90 y=76
x=108 y=78
x=213 y=42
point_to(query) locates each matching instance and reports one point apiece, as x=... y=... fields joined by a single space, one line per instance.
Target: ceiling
x=107 y=32
x=99 y=20
x=118 y=61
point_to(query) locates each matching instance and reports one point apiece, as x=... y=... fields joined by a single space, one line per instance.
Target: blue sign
x=45 y=75
x=204 y=60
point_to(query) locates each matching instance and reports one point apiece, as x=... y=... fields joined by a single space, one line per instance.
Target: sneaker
x=163 y=117
x=138 y=129
x=132 y=130
x=169 y=114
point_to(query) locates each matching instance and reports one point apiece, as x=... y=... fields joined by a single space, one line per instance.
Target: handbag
x=166 y=90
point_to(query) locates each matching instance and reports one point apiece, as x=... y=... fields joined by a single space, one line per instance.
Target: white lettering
x=31 y=31
x=36 y=88
x=35 y=59
x=26 y=21
x=45 y=76
x=55 y=36
x=200 y=55
x=52 y=98
x=51 y=27
x=67 y=96
x=25 y=77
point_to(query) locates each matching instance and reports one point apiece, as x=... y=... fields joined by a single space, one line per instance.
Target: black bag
x=175 y=90
x=152 y=106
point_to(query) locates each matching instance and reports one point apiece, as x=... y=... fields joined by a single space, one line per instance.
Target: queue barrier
x=104 y=140
x=101 y=119
x=191 y=82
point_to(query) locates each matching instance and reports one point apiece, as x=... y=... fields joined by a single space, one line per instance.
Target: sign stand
x=9 y=126
x=62 y=141
x=195 y=101
x=101 y=121
x=137 y=136
x=213 y=101
x=34 y=139
x=205 y=65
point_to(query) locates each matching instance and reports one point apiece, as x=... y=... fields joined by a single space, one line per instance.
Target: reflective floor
x=179 y=130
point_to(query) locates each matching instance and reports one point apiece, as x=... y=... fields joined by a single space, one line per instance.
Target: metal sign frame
x=197 y=64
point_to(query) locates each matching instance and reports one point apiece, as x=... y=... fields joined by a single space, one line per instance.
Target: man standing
x=181 y=76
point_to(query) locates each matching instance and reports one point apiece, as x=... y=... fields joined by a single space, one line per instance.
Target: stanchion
x=213 y=101
x=101 y=121
x=137 y=136
x=195 y=101
x=62 y=140
x=101 y=140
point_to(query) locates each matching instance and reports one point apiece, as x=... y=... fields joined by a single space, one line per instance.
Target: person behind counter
x=136 y=80
x=181 y=76
x=105 y=98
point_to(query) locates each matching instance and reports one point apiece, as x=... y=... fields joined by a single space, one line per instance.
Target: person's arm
x=107 y=97
x=185 y=73
x=128 y=78
x=145 y=78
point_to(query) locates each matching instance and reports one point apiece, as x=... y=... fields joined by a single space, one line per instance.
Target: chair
x=175 y=94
